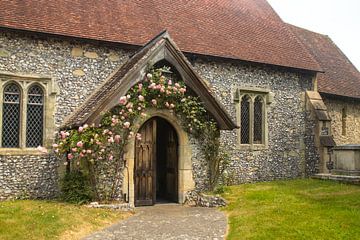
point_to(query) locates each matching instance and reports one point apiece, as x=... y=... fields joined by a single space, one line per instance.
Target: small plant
x=76 y=188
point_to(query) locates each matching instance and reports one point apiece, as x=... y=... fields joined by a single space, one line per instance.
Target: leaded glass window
x=258 y=120
x=34 y=117
x=252 y=106
x=245 y=119
x=11 y=116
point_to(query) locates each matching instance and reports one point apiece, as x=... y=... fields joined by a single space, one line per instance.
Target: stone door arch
x=184 y=176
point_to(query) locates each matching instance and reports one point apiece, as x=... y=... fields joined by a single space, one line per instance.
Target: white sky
x=339 y=19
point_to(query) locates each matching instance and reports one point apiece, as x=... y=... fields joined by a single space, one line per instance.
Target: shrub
x=76 y=188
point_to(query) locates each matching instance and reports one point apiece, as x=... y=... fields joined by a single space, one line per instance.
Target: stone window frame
x=267 y=97
x=50 y=90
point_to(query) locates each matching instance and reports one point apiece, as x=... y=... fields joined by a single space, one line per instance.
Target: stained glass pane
x=258 y=119
x=34 y=118
x=11 y=116
x=245 y=120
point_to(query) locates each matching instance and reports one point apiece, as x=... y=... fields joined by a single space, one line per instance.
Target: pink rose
x=110 y=140
x=74 y=149
x=89 y=151
x=117 y=138
x=123 y=100
x=129 y=105
x=55 y=145
x=81 y=129
x=172 y=105
x=169 y=82
x=126 y=124
x=63 y=134
x=70 y=156
x=167 y=104
x=141 y=98
x=153 y=101
x=111 y=157
x=80 y=144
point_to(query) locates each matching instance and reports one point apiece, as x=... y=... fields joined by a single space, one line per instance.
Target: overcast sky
x=339 y=19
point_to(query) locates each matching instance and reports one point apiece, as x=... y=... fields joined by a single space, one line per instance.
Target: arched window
x=35 y=117
x=245 y=119
x=251 y=107
x=11 y=116
x=258 y=120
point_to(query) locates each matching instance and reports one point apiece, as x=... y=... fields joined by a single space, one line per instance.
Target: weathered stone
x=92 y=55
x=4 y=53
x=77 y=52
x=119 y=206
x=197 y=199
x=78 y=73
x=114 y=57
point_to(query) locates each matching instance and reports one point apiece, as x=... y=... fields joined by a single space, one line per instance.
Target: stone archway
x=185 y=181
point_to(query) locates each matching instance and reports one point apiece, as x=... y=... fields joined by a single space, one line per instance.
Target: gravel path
x=168 y=221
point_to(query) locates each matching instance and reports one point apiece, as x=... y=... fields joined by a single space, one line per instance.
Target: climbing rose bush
x=89 y=145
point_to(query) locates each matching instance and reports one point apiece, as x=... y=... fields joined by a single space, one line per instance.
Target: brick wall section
x=335 y=108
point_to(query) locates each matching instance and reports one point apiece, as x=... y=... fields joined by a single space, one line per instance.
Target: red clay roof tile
x=340 y=77
x=241 y=29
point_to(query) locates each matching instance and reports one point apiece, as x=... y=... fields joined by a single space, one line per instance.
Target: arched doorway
x=156 y=163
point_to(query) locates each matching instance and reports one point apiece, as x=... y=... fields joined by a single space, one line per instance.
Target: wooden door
x=172 y=165
x=144 y=172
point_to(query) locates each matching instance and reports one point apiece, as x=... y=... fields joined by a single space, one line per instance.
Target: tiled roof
x=249 y=30
x=340 y=77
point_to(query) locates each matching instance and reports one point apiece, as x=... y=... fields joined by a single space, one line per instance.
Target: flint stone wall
x=290 y=152
x=77 y=67
x=28 y=177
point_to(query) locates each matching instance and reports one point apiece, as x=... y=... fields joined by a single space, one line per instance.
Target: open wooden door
x=144 y=172
x=171 y=165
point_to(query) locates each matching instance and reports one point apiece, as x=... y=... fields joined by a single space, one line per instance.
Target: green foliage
x=219 y=189
x=75 y=188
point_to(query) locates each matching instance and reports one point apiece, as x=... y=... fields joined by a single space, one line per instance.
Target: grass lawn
x=27 y=219
x=296 y=209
